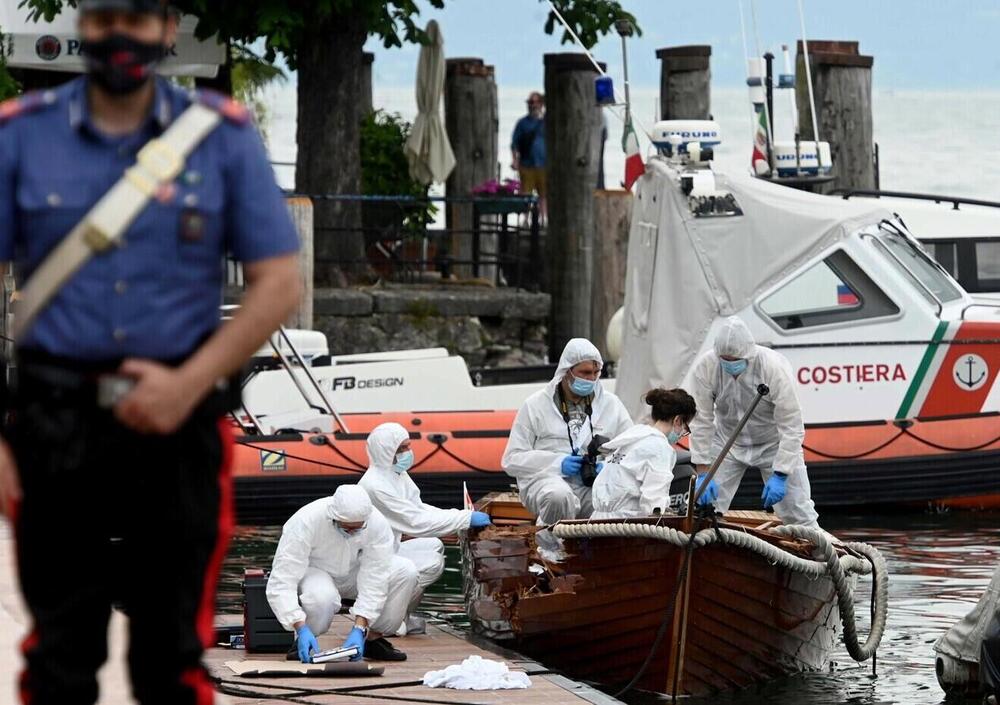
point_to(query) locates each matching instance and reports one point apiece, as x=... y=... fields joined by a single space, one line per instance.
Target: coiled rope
x=839 y=568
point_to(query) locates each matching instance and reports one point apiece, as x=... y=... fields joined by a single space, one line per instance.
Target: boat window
x=946 y=254
x=835 y=290
x=927 y=272
x=988 y=265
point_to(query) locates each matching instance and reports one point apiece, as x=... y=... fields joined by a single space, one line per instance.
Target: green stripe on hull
x=925 y=363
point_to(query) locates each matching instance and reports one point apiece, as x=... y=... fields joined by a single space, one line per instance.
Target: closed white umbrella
x=427 y=148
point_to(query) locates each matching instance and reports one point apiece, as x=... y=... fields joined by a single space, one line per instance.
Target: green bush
x=385 y=170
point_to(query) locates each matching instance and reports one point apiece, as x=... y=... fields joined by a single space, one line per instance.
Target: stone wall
x=488 y=327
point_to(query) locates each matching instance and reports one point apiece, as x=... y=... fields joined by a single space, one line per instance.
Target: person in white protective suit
x=725 y=384
x=397 y=498
x=639 y=464
x=333 y=548
x=552 y=430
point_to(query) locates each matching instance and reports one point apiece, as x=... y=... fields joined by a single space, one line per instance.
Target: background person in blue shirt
x=527 y=147
x=134 y=495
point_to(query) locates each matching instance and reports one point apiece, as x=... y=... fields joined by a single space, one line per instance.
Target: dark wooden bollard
x=842 y=85
x=470 y=113
x=572 y=143
x=685 y=82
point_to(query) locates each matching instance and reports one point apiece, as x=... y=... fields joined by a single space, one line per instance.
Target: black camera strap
x=564 y=410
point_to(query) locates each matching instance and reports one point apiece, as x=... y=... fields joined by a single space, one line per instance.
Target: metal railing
x=405 y=239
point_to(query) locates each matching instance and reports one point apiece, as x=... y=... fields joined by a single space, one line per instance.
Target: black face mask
x=121 y=65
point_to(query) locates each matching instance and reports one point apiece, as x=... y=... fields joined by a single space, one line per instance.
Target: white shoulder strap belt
x=158 y=163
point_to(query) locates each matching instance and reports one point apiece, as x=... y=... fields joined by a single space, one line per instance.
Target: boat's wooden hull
x=745 y=621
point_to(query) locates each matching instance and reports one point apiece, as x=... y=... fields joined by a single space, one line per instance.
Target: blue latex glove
x=774 y=490
x=571 y=465
x=479 y=520
x=598 y=468
x=307 y=644
x=356 y=638
x=711 y=492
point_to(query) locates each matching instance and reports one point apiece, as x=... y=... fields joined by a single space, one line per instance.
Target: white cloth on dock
x=477 y=673
x=540 y=439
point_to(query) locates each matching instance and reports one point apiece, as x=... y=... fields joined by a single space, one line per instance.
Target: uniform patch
x=27 y=103
x=192 y=225
x=273 y=461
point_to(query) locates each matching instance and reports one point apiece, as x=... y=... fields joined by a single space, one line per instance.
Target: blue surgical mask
x=673 y=437
x=734 y=367
x=404 y=461
x=349 y=534
x=582 y=387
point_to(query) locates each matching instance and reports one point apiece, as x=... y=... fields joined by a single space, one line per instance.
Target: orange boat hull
x=947 y=462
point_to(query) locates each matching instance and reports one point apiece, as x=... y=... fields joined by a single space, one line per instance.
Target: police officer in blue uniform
x=113 y=463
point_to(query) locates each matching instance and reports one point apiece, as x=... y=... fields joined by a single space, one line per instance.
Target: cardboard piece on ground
x=292 y=669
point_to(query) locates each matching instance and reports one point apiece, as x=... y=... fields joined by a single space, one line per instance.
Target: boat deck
x=400 y=682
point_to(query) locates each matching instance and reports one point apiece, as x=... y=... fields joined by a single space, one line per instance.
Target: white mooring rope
x=839 y=568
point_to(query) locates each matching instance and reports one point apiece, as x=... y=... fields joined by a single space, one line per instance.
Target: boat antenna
x=767 y=113
x=809 y=83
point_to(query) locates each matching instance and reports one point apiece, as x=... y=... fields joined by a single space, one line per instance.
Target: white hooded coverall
x=637 y=474
x=540 y=439
x=772 y=438
x=397 y=498
x=315 y=566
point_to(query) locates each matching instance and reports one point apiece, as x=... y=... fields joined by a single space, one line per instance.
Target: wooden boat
x=737 y=618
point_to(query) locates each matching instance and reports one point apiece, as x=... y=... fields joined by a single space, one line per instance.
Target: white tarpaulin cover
x=684 y=272
x=427 y=148
x=964 y=640
x=55 y=46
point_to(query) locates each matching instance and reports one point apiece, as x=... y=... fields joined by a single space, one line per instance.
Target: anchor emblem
x=970 y=372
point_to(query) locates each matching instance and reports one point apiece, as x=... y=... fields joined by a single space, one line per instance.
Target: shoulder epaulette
x=25 y=104
x=230 y=109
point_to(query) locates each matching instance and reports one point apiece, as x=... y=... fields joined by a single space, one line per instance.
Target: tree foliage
x=284 y=25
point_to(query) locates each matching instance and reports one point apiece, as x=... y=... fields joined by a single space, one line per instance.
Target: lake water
x=945 y=142
x=939 y=566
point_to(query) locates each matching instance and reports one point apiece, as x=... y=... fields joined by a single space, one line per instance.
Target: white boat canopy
x=55 y=46
x=685 y=270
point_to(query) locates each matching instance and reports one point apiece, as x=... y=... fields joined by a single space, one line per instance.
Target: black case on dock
x=263 y=632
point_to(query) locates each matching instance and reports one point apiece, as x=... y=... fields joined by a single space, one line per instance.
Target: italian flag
x=759 y=159
x=634 y=167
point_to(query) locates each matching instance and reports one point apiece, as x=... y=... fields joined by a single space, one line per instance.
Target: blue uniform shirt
x=528 y=141
x=158 y=295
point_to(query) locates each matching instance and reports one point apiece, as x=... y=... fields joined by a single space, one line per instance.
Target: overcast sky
x=917 y=44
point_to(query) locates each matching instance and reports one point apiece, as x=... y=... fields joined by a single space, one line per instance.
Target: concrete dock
x=433 y=651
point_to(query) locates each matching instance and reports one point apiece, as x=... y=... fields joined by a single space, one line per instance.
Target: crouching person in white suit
x=397 y=498
x=340 y=547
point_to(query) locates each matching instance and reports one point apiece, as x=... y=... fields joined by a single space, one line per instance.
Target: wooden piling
x=842 y=85
x=612 y=217
x=685 y=82
x=472 y=123
x=572 y=145
x=301 y=209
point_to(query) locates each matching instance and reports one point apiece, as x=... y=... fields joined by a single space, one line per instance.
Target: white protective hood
x=397 y=497
x=577 y=350
x=684 y=271
x=349 y=503
x=55 y=46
